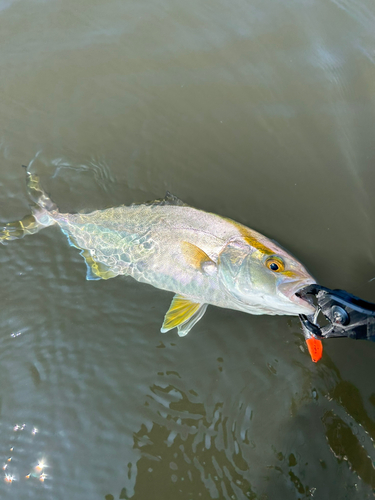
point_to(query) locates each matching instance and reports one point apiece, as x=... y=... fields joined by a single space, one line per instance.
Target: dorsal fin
x=169 y=199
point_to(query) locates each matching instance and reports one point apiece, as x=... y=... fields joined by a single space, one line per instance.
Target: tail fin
x=34 y=222
x=36 y=193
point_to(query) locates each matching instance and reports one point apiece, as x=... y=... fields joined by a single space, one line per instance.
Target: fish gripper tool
x=346 y=315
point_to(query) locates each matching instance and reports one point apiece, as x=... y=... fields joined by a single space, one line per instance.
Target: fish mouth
x=295 y=287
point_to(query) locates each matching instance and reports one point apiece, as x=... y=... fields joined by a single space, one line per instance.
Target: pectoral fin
x=197 y=258
x=183 y=314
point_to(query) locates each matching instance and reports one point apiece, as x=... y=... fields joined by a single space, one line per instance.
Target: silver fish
x=202 y=257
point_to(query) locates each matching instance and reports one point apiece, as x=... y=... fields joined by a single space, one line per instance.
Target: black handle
x=348 y=315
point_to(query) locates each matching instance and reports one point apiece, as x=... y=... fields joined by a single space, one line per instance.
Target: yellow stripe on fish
x=251 y=238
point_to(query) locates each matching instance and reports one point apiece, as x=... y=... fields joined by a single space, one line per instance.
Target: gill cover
x=233 y=269
x=243 y=274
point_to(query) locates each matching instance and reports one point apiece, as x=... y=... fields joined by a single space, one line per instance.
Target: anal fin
x=182 y=314
x=95 y=270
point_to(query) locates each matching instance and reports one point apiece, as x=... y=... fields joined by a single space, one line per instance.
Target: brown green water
x=261 y=111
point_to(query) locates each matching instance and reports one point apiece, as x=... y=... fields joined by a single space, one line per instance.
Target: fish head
x=263 y=278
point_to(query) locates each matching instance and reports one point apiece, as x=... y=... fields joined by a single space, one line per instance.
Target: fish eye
x=275 y=264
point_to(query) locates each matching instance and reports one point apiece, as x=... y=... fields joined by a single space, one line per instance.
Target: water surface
x=261 y=111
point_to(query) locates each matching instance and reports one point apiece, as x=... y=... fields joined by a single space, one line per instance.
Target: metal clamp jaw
x=347 y=315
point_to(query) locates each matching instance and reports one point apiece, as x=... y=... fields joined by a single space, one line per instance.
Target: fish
x=203 y=258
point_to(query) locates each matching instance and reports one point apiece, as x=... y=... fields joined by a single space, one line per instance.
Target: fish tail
x=37 y=194
x=39 y=218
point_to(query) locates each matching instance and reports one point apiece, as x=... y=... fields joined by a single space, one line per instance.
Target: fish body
x=202 y=257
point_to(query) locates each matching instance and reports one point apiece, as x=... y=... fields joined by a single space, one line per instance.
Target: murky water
x=261 y=111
